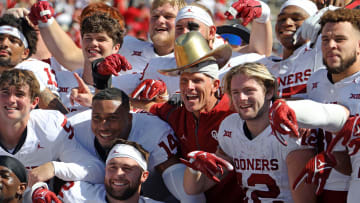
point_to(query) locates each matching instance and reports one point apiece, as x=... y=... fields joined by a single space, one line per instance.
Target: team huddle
x=187 y=117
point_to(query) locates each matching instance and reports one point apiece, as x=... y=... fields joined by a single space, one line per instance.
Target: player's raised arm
x=61 y=46
x=261 y=31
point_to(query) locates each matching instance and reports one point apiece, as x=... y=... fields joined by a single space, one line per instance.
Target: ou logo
x=214 y=134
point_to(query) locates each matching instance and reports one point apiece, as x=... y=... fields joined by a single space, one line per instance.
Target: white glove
x=310 y=28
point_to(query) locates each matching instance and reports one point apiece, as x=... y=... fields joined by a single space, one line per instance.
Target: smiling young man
x=13 y=181
x=43 y=140
x=17 y=44
x=299 y=58
x=339 y=83
x=126 y=171
x=110 y=118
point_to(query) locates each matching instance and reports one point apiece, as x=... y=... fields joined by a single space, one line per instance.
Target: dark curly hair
x=342 y=15
x=23 y=26
x=102 y=22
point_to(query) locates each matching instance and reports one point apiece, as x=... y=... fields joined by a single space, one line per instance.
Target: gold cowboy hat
x=191 y=48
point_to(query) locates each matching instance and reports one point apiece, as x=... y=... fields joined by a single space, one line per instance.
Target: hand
x=113 y=64
x=41 y=13
x=350 y=129
x=207 y=163
x=310 y=28
x=41 y=174
x=248 y=10
x=18 y=12
x=316 y=171
x=43 y=195
x=282 y=120
x=81 y=94
x=149 y=89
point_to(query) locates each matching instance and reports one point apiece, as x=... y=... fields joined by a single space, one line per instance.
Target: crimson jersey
x=293 y=73
x=194 y=135
x=347 y=93
x=260 y=163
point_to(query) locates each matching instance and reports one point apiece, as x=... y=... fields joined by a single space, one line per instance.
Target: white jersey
x=142 y=57
x=50 y=137
x=163 y=62
x=155 y=135
x=260 y=163
x=137 y=52
x=84 y=192
x=347 y=93
x=152 y=133
x=66 y=81
x=294 y=72
x=42 y=71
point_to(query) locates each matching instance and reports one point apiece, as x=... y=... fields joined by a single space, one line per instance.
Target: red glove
x=207 y=163
x=316 y=171
x=350 y=128
x=113 y=64
x=43 y=195
x=149 y=89
x=41 y=12
x=246 y=9
x=282 y=116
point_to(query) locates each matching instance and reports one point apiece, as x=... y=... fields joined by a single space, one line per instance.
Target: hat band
x=13 y=31
x=307 y=5
x=127 y=151
x=208 y=67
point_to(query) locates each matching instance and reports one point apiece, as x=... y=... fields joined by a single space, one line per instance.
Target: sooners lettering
x=289 y=91
x=256 y=164
x=295 y=78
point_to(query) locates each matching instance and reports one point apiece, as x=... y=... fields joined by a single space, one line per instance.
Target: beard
x=6 y=63
x=259 y=113
x=129 y=192
x=344 y=64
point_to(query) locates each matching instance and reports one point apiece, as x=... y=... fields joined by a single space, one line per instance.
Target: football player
x=43 y=140
x=110 y=118
x=13 y=180
x=126 y=171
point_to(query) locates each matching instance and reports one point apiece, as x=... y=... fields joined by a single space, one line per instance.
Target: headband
x=128 y=151
x=196 y=13
x=15 y=166
x=306 y=5
x=13 y=31
x=209 y=67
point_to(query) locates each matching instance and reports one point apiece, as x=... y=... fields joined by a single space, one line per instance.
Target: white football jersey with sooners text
x=260 y=163
x=294 y=72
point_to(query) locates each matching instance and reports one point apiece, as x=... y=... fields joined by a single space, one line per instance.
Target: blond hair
x=157 y=3
x=257 y=71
